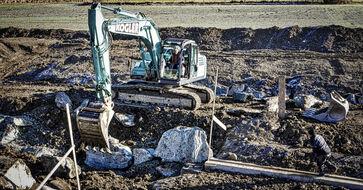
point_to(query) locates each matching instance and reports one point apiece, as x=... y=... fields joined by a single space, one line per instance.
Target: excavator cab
x=191 y=65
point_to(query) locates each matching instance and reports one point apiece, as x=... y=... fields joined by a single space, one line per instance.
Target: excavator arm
x=94 y=119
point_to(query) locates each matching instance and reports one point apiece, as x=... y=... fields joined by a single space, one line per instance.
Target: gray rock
x=236 y=89
x=169 y=169
x=221 y=91
x=126 y=120
x=259 y=95
x=45 y=187
x=66 y=169
x=242 y=96
x=142 y=155
x=118 y=157
x=48 y=73
x=352 y=98
x=19 y=121
x=244 y=111
x=360 y=100
x=306 y=101
x=83 y=104
x=61 y=99
x=8 y=134
x=59 y=184
x=18 y=176
x=191 y=168
x=43 y=151
x=272 y=104
x=183 y=144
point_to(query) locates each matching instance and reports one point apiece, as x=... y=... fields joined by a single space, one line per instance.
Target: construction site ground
x=36 y=63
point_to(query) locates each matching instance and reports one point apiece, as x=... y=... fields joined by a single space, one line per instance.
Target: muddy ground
x=35 y=64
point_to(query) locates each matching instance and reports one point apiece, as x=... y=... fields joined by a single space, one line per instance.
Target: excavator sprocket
x=205 y=94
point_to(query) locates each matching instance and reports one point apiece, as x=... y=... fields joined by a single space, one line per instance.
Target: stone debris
x=8 y=134
x=191 y=168
x=83 y=104
x=352 y=98
x=60 y=184
x=142 y=155
x=272 y=104
x=48 y=73
x=236 y=88
x=221 y=91
x=245 y=111
x=119 y=157
x=66 y=169
x=306 y=101
x=17 y=176
x=61 y=99
x=169 y=169
x=183 y=144
x=360 y=100
x=19 y=121
x=42 y=151
x=127 y=120
x=242 y=97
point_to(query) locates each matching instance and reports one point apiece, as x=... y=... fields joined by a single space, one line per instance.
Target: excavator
x=163 y=76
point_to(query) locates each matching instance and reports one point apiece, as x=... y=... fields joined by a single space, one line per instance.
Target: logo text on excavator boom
x=131 y=27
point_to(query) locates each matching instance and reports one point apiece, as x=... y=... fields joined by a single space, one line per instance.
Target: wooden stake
x=282 y=94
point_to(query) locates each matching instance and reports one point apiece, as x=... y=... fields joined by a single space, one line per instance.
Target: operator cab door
x=193 y=60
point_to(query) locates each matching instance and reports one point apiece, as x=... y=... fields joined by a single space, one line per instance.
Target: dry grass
x=166 y=1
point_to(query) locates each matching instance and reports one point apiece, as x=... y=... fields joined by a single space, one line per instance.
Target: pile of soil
x=36 y=64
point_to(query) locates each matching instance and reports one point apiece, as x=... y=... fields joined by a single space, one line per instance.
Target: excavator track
x=146 y=94
x=205 y=94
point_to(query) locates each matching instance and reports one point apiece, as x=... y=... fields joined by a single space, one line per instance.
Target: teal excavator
x=163 y=76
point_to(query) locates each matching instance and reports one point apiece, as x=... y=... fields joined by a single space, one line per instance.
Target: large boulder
x=17 y=176
x=119 y=157
x=183 y=144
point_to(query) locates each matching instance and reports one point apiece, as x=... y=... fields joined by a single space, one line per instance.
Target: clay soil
x=35 y=64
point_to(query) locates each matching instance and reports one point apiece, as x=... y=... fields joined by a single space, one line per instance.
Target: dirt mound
x=12 y=32
x=320 y=39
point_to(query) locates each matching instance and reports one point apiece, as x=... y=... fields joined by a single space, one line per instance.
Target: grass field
x=73 y=16
x=169 y=1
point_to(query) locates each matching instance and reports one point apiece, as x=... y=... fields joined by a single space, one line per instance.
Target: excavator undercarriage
x=186 y=97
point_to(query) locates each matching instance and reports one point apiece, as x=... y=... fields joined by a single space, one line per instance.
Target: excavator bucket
x=92 y=123
x=337 y=110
